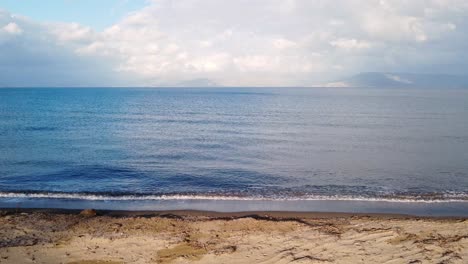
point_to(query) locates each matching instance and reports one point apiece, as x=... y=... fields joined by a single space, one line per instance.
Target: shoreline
x=215 y=215
x=448 y=209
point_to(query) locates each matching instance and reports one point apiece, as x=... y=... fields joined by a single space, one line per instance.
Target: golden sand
x=186 y=237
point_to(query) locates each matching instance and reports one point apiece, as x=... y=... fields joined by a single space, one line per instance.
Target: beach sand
x=47 y=236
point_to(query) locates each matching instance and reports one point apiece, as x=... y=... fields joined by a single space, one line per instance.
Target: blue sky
x=98 y=14
x=232 y=43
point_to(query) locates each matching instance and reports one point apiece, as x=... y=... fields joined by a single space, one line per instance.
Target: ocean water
x=260 y=144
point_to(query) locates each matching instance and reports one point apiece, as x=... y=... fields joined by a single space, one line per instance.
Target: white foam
x=461 y=198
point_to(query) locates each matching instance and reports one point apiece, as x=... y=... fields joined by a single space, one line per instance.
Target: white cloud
x=33 y=54
x=267 y=42
x=288 y=39
x=281 y=43
x=13 y=28
x=350 y=44
x=72 y=32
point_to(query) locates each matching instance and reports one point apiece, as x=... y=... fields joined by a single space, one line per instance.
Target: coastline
x=215 y=215
x=181 y=236
x=425 y=208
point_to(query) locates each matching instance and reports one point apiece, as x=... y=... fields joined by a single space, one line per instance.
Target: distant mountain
x=383 y=79
x=197 y=83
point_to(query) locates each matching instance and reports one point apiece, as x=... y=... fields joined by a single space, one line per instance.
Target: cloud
x=44 y=54
x=71 y=32
x=12 y=28
x=261 y=42
x=351 y=44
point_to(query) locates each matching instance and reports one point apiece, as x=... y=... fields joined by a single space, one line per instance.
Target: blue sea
x=110 y=147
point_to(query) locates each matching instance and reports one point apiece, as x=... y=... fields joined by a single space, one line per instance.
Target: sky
x=226 y=43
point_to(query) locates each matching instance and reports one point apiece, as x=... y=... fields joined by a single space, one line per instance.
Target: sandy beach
x=58 y=236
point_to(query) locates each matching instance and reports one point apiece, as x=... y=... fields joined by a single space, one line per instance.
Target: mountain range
x=401 y=80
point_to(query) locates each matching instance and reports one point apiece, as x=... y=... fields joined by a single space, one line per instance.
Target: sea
x=236 y=149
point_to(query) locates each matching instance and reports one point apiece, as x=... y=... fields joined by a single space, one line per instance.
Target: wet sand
x=66 y=236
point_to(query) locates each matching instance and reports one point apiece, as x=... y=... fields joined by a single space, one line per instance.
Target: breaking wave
x=421 y=198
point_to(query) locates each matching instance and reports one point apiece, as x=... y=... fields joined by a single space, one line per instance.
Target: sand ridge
x=43 y=237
